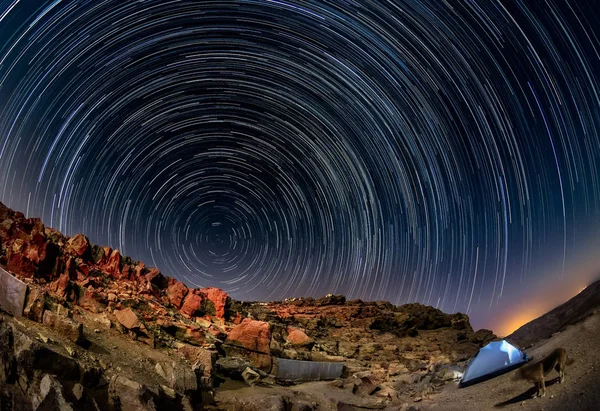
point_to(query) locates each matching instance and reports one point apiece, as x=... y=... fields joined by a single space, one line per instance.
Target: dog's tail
x=569 y=361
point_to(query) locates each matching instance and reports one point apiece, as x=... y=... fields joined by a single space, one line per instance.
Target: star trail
x=445 y=152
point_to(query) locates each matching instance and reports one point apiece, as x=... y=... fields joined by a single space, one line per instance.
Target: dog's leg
x=537 y=387
x=543 y=388
x=560 y=368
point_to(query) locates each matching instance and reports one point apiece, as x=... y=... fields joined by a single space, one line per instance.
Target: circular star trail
x=436 y=151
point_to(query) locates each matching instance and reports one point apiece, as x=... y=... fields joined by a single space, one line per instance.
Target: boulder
x=201 y=357
x=91 y=301
x=155 y=278
x=219 y=299
x=192 y=305
x=179 y=377
x=297 y=337
x=64 y=325
x=232 y=366
x=260 y=361
x=483 y=336
x=17 y=261
x=250 y=376
x=62 y=285
x=113 y=265
x=188 y=333
x=251 y=335
x=176 y=292
x=128 y=318
x=77 y=245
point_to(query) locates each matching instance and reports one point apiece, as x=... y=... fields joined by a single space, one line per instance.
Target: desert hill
x=571 y=312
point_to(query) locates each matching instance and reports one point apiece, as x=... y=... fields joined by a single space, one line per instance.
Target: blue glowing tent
x=492 y=360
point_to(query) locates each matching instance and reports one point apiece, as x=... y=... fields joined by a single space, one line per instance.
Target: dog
x=536 y=372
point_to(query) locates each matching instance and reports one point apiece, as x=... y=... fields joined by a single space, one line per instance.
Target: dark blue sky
x=441 y=152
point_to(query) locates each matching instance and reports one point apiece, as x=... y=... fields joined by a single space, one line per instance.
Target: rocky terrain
x=100 y=331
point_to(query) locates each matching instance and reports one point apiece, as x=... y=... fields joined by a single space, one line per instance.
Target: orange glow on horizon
x=516 y=319
x=513 y=322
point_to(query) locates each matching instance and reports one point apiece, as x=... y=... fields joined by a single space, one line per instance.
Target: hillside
x=571 y=312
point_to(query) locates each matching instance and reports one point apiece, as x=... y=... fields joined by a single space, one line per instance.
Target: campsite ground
x=580 y=391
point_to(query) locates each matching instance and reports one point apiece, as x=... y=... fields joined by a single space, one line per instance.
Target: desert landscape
x=94 y=330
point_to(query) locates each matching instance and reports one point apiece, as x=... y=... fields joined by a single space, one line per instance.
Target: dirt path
x=581 y=390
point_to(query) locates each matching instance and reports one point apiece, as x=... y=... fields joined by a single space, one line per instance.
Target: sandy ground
x=580 y=391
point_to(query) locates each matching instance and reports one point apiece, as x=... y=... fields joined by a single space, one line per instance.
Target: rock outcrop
x=107 y=332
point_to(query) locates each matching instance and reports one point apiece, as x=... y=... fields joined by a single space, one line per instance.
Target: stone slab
x=12 y=293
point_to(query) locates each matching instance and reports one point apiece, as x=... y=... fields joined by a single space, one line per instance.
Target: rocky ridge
x=129 y=337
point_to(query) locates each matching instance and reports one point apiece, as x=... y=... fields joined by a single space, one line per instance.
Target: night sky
x=445 y=152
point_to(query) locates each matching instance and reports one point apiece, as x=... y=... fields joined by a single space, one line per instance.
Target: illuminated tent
x=492 y=360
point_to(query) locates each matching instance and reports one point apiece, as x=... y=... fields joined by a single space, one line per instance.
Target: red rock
x=113 y=265
x=218 y=298
x=71 y=268
x=84 y=269
x=61 y=286
x=91 y=301
x=156 y=278
x=138 y=270
x=34 y=253
x=261 y=361
x=17 y=262
x=128 y=318
x=77 y=245
x=176 y=292
x=297 y=337
x=252 y=335
x=238 y=318
x=38 y=230
x=126 y=271
x=191 y=304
